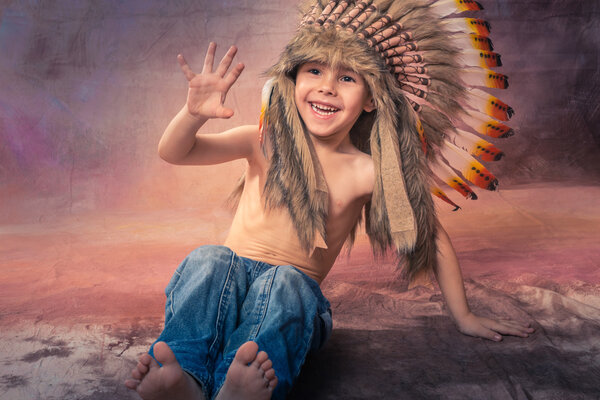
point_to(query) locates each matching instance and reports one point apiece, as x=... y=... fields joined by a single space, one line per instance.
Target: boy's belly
x=269 y=236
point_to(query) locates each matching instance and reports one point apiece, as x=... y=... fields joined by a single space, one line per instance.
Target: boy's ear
x=369 y=104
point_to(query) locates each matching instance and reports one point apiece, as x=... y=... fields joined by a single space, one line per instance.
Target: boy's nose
x=327 y=85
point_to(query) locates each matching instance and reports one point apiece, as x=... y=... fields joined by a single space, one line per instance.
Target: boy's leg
x=202 y=308
x=288 y=316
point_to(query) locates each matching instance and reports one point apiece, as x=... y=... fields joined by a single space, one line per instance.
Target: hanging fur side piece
x=293 y=180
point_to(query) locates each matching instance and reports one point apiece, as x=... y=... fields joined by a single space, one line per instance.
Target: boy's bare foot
x=169 y=382
x=250 y=376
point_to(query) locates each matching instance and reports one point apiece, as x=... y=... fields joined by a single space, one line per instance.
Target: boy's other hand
x=207 y=90
x=491 y=329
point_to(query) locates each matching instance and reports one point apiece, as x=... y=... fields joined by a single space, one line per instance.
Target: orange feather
x=469 y=167
x=490 y=105
x=485 y=77
x=440 y=194
x=475 y=145
x=483 y=124
x=450 y=178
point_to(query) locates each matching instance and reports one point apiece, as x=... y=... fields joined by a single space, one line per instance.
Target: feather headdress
x=413 y=59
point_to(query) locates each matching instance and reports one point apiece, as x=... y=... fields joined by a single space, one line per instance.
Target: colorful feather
x=483 y=124
x=469 y=167
x=489 y=105
x=468 y=25
x=436 y=191
x=475 y=145
x=421 y=132
x=485 y=78
x=267 y=90
x=451 y=178
x=480 y=42
x=471 y=41
x=481 y=58
x=447 y=7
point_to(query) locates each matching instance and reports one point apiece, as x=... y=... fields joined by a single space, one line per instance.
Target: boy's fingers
x=187 y=71
x=226 y=61
x=507 y=329
x=234 y=74
x=209 y=58
x=487 y=333
x=224 y=112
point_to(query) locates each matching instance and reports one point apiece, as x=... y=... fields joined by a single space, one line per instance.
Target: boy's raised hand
x=207 y=90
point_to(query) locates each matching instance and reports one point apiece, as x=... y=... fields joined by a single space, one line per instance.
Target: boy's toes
x=142 y=368
x=146 y=361
x=136 y=374
x=272 y=383
x=246 y=353
x=163 y=354
x=270 y=374
x=266 y=365
x=261 y=357
x=132 y=383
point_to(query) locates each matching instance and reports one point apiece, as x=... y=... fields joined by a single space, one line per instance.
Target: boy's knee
x=206 y=260
x=290 y=280
x=209 y=252
x=288 y=274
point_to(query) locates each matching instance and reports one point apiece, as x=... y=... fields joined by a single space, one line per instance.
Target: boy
x=260 y=291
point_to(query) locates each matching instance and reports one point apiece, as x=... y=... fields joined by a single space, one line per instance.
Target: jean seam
x=264 y=302
x=256 y=270
x=223 y=298
x=171 y=302
x=170 y=295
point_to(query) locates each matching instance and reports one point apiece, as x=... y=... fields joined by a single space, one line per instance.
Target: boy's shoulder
x=352 y=170
x=364 y=172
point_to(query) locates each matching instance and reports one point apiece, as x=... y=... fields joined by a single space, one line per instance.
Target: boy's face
x=330 y=100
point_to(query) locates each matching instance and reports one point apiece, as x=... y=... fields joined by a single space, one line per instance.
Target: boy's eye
x=347 y=78
x=313 y=71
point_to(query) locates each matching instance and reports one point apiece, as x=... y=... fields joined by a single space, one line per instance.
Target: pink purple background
x=93 y=223
x=88 y=87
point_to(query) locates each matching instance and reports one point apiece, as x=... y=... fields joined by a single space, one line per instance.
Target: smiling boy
x=241 y=318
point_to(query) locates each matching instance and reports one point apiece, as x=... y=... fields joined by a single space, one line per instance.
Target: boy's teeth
x=323 y=110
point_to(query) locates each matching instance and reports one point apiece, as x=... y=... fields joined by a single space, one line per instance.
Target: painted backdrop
x=93 y=223
x=87 y=88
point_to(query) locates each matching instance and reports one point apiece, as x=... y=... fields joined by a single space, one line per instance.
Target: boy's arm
x=450 y=280
x=181 y=143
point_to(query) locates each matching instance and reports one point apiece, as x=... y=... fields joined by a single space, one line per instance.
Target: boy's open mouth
x=323 y=109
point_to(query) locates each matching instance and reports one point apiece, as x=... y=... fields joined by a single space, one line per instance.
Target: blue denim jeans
x=217 y=301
